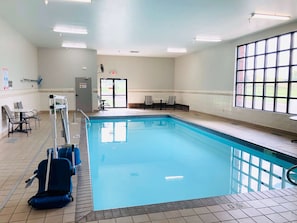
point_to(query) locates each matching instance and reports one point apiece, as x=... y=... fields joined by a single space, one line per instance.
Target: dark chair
x=148 y=101
x=171 y=102
x=101 y=103
x=15 y=124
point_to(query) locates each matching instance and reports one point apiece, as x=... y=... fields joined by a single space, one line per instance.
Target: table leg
x=102 y=106
x=21 y=119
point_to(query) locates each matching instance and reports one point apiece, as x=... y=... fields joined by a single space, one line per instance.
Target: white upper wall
x=20 y=58
x=142 y=72
x=145 y=75
x=17 y=55
x=205 y=81
x=212 y=69
x=59 y=67
x=206 y=70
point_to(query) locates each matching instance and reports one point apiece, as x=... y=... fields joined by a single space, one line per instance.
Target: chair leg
x=28 y=127
x=10 y=129
x=37 y=119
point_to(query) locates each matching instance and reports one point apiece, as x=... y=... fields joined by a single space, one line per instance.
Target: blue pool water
x=149 y=160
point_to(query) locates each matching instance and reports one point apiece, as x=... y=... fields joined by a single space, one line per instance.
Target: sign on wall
x=5 y=79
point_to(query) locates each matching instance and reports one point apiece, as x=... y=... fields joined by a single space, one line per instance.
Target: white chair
x=171 y=102
x=15 y=124
x=148 y=101
x=32 y=114
x=101 y=103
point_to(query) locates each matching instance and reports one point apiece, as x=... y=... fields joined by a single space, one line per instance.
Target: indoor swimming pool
x=137 y=161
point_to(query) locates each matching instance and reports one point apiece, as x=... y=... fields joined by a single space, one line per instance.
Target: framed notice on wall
x=4 y=78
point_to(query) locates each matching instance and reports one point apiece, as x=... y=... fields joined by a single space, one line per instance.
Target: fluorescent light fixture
x=82 y=1
x=79 y=1
x=207 y=39
x=255 y=15
x=70 y=29
x=74 y=45
x=174 y=177
x=176 y=50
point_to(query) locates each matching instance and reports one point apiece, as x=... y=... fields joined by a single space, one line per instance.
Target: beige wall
x=60 y=67
x=20 y=58
x=205 y=80
x=145 y=75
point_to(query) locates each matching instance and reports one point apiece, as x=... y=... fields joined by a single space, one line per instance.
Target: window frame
x=266 y=74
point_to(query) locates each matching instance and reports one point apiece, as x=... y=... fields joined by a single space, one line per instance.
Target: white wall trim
x=226 y=93
x=14 y=93
x=55 y=90
x=151 y=90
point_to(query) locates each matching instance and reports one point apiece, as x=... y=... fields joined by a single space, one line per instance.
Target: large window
x=266 y=74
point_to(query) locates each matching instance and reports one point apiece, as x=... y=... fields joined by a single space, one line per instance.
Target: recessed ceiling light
x=70 y=29
x=207 y=39
x=74 y=45
x=176 y=50
x=255 y=15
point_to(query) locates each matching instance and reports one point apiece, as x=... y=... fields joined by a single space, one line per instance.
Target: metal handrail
x=288 y=175
x=84 y=114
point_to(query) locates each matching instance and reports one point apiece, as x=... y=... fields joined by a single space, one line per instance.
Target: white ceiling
x=117 y=27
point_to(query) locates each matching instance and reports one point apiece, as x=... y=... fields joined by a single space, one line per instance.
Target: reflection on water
x=139 y=161
x=113 y=132
x=253 y=173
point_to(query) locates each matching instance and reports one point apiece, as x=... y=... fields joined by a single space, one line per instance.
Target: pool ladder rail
x=292 y=169
x=85 y=115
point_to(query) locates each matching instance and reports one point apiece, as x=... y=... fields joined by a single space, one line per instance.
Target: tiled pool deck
x=20 y=155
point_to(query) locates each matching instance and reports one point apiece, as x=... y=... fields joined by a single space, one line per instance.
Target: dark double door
x=114 y=92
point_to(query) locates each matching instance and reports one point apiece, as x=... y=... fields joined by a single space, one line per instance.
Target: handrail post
x=74 y=116
x=288 y=175
x=84 y=114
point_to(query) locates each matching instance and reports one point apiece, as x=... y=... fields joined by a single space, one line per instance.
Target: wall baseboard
x=158 y=106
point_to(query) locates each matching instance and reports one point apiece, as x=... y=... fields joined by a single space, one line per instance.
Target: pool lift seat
x=54 y=173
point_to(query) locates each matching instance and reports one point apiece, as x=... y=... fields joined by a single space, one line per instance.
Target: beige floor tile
x=19 y=216
x=140 y=218
x=5 y=218
x=173 y=214
x=67 y=218
x=36 y=220
x=54 y=219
